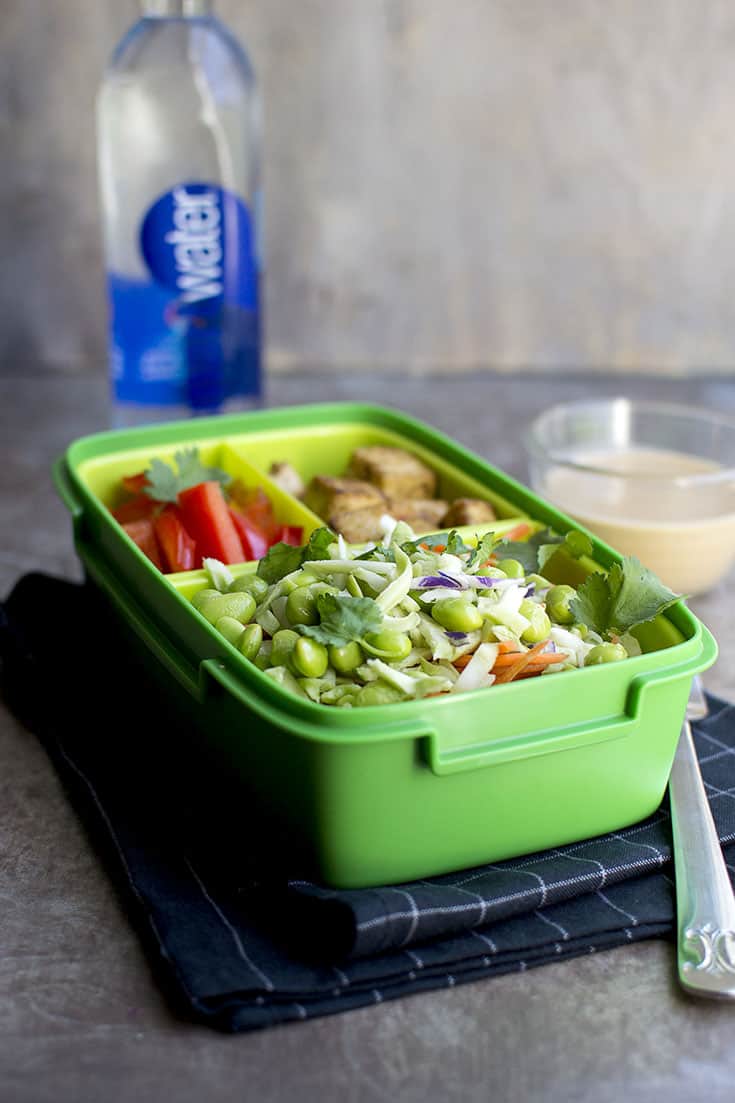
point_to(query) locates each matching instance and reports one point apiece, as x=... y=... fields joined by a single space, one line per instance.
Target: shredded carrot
x=507 y=646
x=520 y=664
x=518 y=532
x=462 y=661
x=546 y=659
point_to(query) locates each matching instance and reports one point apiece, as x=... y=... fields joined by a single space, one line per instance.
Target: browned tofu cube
x=357 y=525
x=287 y=477
x=326 y=493
x=427 y=512
x=468 y=511
x=398 y=473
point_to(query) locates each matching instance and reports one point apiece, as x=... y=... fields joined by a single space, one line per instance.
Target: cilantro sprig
x=165 y=483
x=282 y=559
x=627 y=596
x=343 y=618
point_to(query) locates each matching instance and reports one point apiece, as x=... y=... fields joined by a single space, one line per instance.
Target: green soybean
x=301 y=607
x=605 y=653
x=284 y=642
x=457 y=614
x=240 y=606
x=557 y=604
x=250 y=641
x=201 y=597
x=230 y=628
x=540 y=625
x=249 y=584
x=345 y=658
x=538 y=581
x=377 y=693
x=511 y=568
x=309 y=657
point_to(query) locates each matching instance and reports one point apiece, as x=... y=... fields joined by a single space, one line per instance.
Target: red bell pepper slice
x=135 y=509
x=142 y=533
x=207 y=519
x=134 y=484
x=254 y=503
x=255 y=542
x=179 y=550
x=290 y=534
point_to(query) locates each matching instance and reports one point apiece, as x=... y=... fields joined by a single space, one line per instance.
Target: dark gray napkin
x=237 y=943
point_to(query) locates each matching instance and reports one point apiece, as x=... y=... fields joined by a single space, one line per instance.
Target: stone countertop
x=82 y=1019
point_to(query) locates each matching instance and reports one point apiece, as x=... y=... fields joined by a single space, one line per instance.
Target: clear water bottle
x=178 y=145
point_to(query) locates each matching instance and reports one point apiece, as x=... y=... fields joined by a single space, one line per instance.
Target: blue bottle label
x=189 y=334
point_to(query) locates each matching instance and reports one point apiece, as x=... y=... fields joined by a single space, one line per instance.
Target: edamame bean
x=301 y=607
x=511 y=568
x=250 y=641
x=539 y=582
x=578 y=544
x=346 y=658
x=284 y=641
x=391 y=646
x=540 y=625
x=605 y=653
x=240 y=606
x=230 y=628
x=377 y=693
x=249 y=584
x=557 y=604
x=310 y=657
x=201 y=597
x=457 y=614
x=263 y=660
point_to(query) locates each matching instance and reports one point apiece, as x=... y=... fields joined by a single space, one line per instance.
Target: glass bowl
x=651 y=479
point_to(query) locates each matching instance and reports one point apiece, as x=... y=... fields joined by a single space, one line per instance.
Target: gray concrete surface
x=81 y=1018
x=477 y=183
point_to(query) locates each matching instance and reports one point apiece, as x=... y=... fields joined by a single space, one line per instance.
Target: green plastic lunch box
x=388 y=793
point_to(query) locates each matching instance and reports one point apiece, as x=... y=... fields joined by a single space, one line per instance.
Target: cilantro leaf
x=593 y=603
x=628 y=596
x=319 y=543
x=279 y=561
x=483 y=551
x=380 y=553
x=165 y=483
x=282 y=559
x=456 y=545
x=343 y=618
x=451 y=542
x=524 y=551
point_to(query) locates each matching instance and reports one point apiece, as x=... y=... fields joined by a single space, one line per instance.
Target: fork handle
x=704 y=896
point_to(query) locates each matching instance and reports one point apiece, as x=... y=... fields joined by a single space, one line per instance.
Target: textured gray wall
x=449 y=183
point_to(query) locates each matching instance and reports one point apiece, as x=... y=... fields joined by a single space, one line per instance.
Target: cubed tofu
x=357 y=525
x=468 y=511
x=398 y=473
x=427 y=511
x=288 y=478
x=326 y=493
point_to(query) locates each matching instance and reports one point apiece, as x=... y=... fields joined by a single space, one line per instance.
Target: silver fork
x=705 y=903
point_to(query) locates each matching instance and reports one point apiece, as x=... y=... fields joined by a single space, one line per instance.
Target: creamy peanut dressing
x=655 y=504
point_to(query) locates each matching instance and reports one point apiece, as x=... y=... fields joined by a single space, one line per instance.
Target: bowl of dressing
x=651 y=479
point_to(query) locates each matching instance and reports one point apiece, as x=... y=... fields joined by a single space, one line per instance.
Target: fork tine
x=697 y=704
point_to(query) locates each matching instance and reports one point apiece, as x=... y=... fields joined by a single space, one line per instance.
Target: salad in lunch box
x=409 y=618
